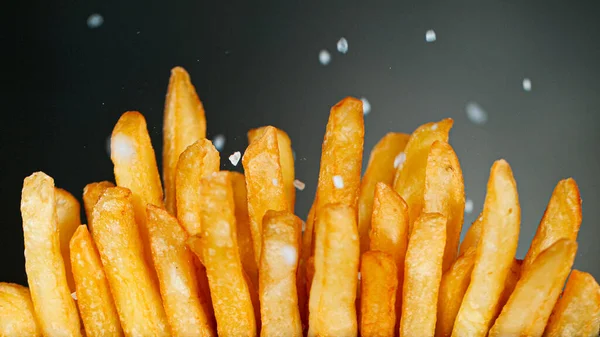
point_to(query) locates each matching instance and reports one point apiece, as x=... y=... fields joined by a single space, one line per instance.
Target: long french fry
x=471 y=239
x=530 y=305
x=18 y=317
x=277 y=283
x=117 y=237
x=302 y=279
x=67 y=211
x=422 y=275
x=495 y=253
x=379 y=281
x=385 y=156
x=54 y=308
x=184 y=123
x=577 y=312
x=445 y=194
x=514 y=274
x=254 y=299
x=91 y=195
x=332 y=310
x=94 y=299
x=174 y=264
x=198 y=160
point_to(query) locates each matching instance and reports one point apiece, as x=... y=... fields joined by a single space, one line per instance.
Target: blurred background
x=519 y=78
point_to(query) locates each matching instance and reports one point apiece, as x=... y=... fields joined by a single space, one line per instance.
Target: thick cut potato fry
x=332 y=309
x=68 y=213
x=54 y=307
x=409 y=180
x=509 y=286
x=472 y=237
x=379 y=281
x=184 y=123
x=384 y=158
x=117 y=237
x=198 y=160
x=495 y=253
x=94 y=299
x=91 y=194
x=561 y=219
x=286 y=160
x=264 y=183
x=445 y=194
x=218 y=250
x=174 y=264
x=18 y=317
x=422 y=275
x=277 y=283
x=530 y=305
x=577 y=312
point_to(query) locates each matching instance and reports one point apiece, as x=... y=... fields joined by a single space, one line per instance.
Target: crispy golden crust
x=18 y=317
x=91 y=195
x=379 y=282
x=472 y=237
x=67 y=211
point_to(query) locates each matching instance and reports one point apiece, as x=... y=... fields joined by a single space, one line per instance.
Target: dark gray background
x=258 y=64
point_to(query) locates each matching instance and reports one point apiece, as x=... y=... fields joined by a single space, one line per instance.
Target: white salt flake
x=399 y=160
x=359 y=275
x=211 y=251
x=235 y=158
x=219 y=142
x=342 y=45
x=475 y=113
x=122 y=146
x=468 y=206
x=177 y=281
x=108 y=146
x=74 y=295
x=526 y=84
x=275 y=182
x=338 y=181
x=95 y=20
x=434 y=126
x=324 y=57
x=289 y=254
x=366 y=106
x=430 y=36
x=299 y=185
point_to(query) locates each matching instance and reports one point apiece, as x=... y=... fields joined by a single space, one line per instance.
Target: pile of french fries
x=222 y=253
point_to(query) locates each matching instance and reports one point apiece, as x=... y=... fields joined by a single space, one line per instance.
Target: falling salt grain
x=469 y=206
x=366 y=106
x=108 y=145
x=338 y=182
x=95 y=20
x=235 y=158
x=434 y=127
x=219 y=142
x=526 y=84
x=430 y=36
x=324 y=57
x=400 y=159
x=74 y=295
x=299 y=185
x=342 y=45
x=475 y=113
x=289 y=254
x=275 y=182
x=122 y=146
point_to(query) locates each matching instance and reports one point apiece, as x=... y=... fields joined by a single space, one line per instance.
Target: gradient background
x=255 y=65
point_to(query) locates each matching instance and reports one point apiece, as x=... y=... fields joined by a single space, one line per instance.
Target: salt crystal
x=434 y=126
x=177 y=281
x=342 y=45
x=289 y=254
x=219 y=142
x=469 y=206
x=359 y=275
x=95 y=20
x=74 y=295
x=475 y=113
x=324 y=57
x=122 y=146
x=430 y=36
x=400 y=159
x=275 y=182
x=299 y=185
x=338 y=182
x=526 y=84
x=235 y=158
x=366 y=106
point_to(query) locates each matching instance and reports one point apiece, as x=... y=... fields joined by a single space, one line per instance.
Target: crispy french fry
x=577 y=312
x=422 y=275
x=310 y=273
x=385 y=157
x=67 y=211
x=286 y=160
x=184 y=123
x=18 y=317
x=472 y=237
x=509 y=286
x=409 y=180
x=174 y=264
x=379 y=281
x=218 y=250
x=91 y=195
x=303 y=280
x=530 y=305
x=117 y=237
x=204 y=290
x=264 y=183
x=54 y=308
x=254 y=298
x=277 y=283
x=94 y=299
x=561 y=219
x=495 y=253
x=445 y=194
x=332 y=310
x=198 y=160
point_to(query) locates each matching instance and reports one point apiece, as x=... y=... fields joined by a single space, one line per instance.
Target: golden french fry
x=174 y=264
x=218 y=250
x=509 y=286
x=332 y=310
x=204 y=290
x=495 y=253
x=286 y=160
x=18 y=317
x=264 y=183
x=184 y=123
x=91 y=195
x=379 y=282
x=310 y=273
x=302 y=280
x=409 y=180
x=254 y=298
x=279 y=311
x=422 y=275
x=561 y=219
x=54 y=307
x=117 y=237
x=198 y=160
x=68 y=213
x=385 y=157
x=530 y=305
x=577 y=312
x=445 y=194
x=472 y=237
x=94 y=299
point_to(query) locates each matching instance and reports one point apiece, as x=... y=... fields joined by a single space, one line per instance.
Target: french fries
x=91 y=194
x=379 y=282
x=18 y=317
x=514 y=274
x=471 y=239
x=67 y=211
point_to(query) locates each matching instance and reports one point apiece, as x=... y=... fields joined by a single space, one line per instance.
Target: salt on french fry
x=117 y=237
x=54 y=307
x=379 y=282
x=68 y=213
x=577 y=312
x=422 y=275
x=445 y=194
x=561 y=219
x=495 y=253
x=279 y=311
x=530 y=305
x=174 y=264
x=94 y=299
x=385 y=157
x=332 y=310
x=198 y=160
x=91 y=195
x=184 y=123
x=472 y=237
x=18 y=317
